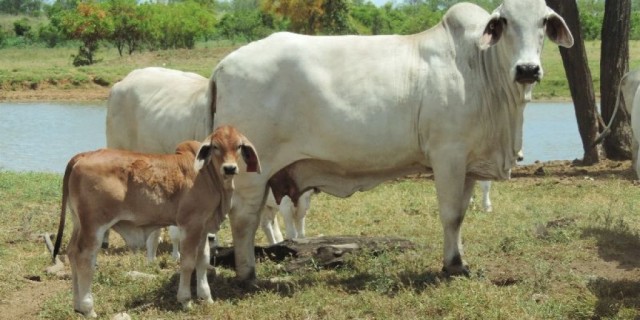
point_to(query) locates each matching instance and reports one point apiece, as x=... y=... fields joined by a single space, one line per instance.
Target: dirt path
x=93 y=93
x=28 y=302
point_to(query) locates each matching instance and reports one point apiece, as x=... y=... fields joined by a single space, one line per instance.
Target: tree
x=127 y=21
x=613 y=65
x=304 y=15
x=335 y=17
x=28 y=7
x=579 y=77
x=89 y=23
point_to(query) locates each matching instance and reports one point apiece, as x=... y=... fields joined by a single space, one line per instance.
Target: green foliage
x=15 y=7
x=89 y=23
x=335 y=17
x=21 y=27
x=127 y=25
x=245 y=26
x=50 y=35
x=176 y=25
x=3 y=37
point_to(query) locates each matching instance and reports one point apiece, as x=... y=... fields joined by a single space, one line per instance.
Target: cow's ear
x=203 y=156
x=557 y=30
x=250 y=157
x=492 y=31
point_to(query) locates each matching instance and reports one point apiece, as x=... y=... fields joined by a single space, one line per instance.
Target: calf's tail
x=63 y=210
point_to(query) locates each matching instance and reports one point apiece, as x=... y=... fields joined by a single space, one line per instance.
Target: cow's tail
x=213 y=95
x=63 y=210
x=607 y=129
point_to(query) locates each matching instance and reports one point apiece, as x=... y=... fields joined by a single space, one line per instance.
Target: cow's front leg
x=454 y=192
x=245 y=219
x=194 y=233
x=202 y=265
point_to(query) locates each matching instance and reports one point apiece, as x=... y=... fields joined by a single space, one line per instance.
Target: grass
x=37 y=68
x=555 y=248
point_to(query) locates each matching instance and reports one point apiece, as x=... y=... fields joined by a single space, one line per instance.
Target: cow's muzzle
x=527 y=73
x=230 y=169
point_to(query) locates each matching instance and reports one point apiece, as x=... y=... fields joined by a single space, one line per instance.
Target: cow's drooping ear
x=557 y=30
x=492 y=31
x=203 y=156
x=250 y=156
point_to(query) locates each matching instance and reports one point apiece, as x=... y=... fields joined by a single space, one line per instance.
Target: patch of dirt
x=575 y=170
x=27 y=302
x=92 y=93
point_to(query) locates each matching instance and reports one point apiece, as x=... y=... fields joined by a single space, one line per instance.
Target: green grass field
x=38 y=68
x=555 y=247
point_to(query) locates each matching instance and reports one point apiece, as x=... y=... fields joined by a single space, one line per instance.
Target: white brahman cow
x=151 y=110
x=129 y=192
x=628 y=90
x=344 y=113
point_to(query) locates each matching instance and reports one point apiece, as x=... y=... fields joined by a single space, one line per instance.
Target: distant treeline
x=132 y=26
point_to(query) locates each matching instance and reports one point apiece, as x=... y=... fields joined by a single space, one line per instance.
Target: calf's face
x=224 y=147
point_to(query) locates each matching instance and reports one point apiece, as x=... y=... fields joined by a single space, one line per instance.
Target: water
x=44 y=136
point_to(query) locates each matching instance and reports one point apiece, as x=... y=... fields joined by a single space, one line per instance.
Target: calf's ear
x=203 y=156
x=250 y=157
x=557 y=30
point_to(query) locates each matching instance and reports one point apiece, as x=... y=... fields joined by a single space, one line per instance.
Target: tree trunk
x=577 y=70
x=613 y=65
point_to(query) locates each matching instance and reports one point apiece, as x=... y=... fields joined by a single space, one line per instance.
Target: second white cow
x=628 y=90
x=152 y=109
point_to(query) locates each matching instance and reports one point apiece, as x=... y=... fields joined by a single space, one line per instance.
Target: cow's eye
x=216 y=149
x=544 y=22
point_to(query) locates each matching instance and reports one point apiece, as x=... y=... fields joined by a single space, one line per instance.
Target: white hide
x=153 y=110
x=345 y=113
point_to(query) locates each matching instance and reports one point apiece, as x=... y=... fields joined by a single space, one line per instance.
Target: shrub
x=21 y=27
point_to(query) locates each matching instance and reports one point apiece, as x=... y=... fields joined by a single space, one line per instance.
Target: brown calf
x=130 y=192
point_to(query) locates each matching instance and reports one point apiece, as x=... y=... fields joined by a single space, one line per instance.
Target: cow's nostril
x=230 y=169
x=527 y=73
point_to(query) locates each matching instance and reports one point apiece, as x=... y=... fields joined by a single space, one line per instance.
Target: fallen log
x=319 y=252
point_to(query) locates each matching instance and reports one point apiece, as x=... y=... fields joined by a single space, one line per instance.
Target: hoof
x=454 y=271
x=187 y=305
x=250 y=284
x=89 y=314
x=208 y=300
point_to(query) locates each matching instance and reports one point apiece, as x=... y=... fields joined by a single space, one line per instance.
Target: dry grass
x=556 y=247
x=34 y=70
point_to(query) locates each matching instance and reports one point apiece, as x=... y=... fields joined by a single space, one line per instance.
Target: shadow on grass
x=617 y=244
x=614 y=295
x=620 y=245
x=226 y=288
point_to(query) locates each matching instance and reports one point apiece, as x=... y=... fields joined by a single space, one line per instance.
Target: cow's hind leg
x=105 y=240
x=82 y=253
x=269 y=225
x=486 y=197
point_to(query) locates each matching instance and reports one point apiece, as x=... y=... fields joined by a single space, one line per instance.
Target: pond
x=43 y=136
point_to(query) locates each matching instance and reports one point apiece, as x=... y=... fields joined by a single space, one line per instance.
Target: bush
x=21 y=27
x=50 y=35
x=3 y=37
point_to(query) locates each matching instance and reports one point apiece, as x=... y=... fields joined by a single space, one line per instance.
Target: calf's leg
x=82 y=251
